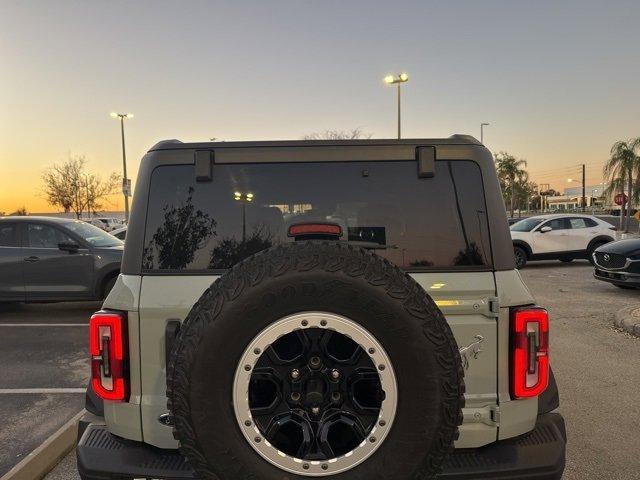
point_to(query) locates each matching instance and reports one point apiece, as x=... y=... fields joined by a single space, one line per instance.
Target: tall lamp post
x=125 y=181
x=244 y=198
x=482 y=125
x=397 y=80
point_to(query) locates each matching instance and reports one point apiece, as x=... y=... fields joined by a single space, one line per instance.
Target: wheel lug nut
x=295 y=396
x=335 y=396
x=335 y=374
x=315 y=362
x=315 y=410
x=295 y=373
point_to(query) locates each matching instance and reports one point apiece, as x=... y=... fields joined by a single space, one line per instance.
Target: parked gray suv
x=45 y=259
x=341 y=309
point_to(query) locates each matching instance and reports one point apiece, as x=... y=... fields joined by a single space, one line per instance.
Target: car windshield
x=525 y=225
x=94 y=235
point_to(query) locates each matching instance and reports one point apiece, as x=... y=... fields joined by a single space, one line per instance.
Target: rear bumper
x=617 y=277
x=538 y=455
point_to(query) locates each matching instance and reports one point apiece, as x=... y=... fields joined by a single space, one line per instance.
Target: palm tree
x=621 y=167
x=510 y=172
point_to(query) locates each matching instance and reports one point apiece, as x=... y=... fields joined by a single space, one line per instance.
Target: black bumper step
x=103 y=456
x=538 y=455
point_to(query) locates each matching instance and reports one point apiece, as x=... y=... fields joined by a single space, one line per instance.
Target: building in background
x=572 y=196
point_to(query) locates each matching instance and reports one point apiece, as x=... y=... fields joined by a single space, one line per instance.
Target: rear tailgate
x=468 y=301
x=465 y=299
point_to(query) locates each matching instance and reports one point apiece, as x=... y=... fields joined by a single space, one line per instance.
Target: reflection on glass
x=183 y=231
x=469 y=256
x=230 y=251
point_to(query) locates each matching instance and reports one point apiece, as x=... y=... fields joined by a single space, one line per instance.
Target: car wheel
x=315 y=359
x=521 y=257
x=109 y=286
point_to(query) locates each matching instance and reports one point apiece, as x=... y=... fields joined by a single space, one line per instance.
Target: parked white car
x=120 y=232
x=106 y=223
x=562 y=237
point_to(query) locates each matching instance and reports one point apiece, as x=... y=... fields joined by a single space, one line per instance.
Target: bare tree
x=22 y=211
x=334 y=134
x=69 y=187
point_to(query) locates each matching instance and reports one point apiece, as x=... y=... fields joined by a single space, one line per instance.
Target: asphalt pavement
x=596 y=368
x=45 y=368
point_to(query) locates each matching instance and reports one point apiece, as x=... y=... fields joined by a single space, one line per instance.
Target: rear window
x=8 y=235
x=419 y=224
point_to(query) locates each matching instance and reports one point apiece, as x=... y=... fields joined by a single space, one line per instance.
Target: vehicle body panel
x=572 y=236
x=40 y=271
x=618 y=262
x=50 y=272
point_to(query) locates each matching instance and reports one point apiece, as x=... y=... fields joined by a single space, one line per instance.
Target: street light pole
x=584 y=197
x=125 y=181
x=482 y=125
x=400 y=79
x=399 y=114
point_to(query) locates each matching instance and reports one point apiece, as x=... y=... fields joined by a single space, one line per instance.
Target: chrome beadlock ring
x=373 y=438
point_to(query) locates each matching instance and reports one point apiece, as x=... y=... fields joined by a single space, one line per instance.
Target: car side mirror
x=70 y=247
x=545 y=229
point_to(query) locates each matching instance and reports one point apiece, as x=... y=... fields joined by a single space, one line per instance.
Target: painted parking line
x=44 y=324
x=24 y=391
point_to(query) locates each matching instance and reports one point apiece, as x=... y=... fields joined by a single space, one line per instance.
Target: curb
x=40 y=462
x=625 y=320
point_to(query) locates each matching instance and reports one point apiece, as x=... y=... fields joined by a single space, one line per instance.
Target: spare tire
x=315 y=359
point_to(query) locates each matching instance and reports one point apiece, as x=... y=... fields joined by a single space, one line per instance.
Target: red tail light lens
x=108 y=348
x=529 y=352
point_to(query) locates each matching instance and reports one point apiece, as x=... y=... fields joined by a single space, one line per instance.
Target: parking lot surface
x=596 y=368
x=43 y=354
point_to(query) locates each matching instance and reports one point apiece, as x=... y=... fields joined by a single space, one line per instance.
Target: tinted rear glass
x=419 y=224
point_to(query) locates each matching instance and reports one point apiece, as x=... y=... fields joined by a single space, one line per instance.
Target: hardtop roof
x=174 y=144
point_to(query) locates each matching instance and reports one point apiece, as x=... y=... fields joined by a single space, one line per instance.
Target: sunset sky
x=558 y=81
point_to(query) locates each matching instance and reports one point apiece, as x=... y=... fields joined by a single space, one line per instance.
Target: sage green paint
x=464 y=298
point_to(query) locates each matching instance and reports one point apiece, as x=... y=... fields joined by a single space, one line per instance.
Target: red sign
x=620 y=199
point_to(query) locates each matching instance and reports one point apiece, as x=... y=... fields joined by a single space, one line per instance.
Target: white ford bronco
x=341 y=309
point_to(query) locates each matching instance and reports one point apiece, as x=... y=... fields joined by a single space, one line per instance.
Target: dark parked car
x=619 y=263
x=56 y=259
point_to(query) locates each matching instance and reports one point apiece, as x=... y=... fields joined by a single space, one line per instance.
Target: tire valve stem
x=315 y=410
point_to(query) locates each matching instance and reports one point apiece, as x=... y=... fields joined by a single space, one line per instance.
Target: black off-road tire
x=316 y=276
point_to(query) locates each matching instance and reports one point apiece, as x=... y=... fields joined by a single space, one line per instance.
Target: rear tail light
x=315 y=229
x=529 y=352
x=108 y=347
